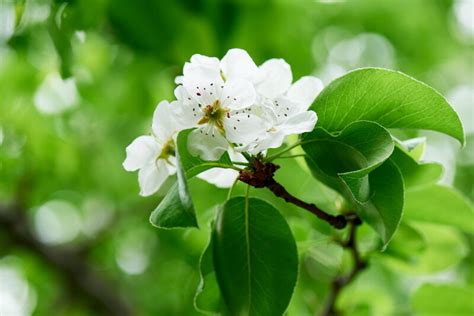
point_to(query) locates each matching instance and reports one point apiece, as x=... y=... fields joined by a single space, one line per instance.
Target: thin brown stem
x=78 y=274
x=260 y=174
x=339 y=283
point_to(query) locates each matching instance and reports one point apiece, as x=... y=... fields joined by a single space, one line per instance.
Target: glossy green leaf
x=350 y=156
x=255 y=258
x=387 y=97
x=193 y=165
x=443 y=299
x=416 y=174
x=207 y=299
x=440 y=204
x=384 y=209
x=176 y=210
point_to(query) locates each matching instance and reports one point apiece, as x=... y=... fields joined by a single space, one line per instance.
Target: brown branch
x=261 y=175
x=78 y=274
x=339 y=283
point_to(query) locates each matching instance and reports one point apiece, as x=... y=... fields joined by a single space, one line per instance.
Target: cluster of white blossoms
x=234 y=106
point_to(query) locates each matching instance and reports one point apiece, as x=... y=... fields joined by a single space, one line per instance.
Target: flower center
x=214 y=114
x=168 y=150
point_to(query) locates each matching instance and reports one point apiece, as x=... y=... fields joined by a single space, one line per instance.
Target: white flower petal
x=238 y=94
x=203 y=89
x=272 y=139
x=140 y=152
x=164 y=121
x=187 y=111
x=202 y=60
x=237 y=63
x=152 y=176
x=207 y=143
x=304 y=91
x=300 y=123
x=243 y=128
x=284 y=109
x=275 y=78
x=220 y=177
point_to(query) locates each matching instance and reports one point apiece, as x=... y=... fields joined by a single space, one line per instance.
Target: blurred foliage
x=80 y=79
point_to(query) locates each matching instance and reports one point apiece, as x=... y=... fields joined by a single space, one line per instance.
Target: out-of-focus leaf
x=390 y=98
x=416 y=174
x=440 y=204
x=406 y=243
x=256 y=263
x=443 y=299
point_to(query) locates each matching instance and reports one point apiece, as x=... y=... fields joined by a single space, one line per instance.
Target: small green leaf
x=176 y=210
x=207 y=299
x=384 y=209
x=440 y=204
x=416 y=174
x=193 y=165
x=255 y=258
x=390 y=98
x=415 y=147
x=443 y=299
x=350 y=156
x=407 y=243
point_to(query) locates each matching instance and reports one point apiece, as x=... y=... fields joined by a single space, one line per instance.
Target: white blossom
x=223 y=177
x=153 y=155
x=283 y=106
x=216 y=98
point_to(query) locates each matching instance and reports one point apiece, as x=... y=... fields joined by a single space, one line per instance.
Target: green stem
x=229 y=194
x=277 y=155
x=291 y=156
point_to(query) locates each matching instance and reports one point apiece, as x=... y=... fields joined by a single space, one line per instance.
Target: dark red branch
x=261 y=175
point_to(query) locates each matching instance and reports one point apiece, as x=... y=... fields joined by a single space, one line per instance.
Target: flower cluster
x=234 y=106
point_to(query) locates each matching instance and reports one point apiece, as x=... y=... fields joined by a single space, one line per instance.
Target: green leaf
x=390 y=98
x=416 y=174
x=176 y=210
x=193 y=165
x=407 y=243
x=440 y=204
x=443 y=299
x=255 y=258
x=350 y=156
x=384 y=209
x=207 y=299
x=415 y=147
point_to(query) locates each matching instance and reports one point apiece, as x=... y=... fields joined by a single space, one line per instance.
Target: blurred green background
x=79 y=80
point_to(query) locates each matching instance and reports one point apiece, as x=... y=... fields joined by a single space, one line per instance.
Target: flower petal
x=237 y=63
x=202 y=60
x=152 y=176
x=300 y=123
x=272 y=139
x=187 y=111
x=140 y=152
x=304 y=91
x=164 y=121
x=220 y=177
x=238 y=94
x=275 y=78
x=243 y=128
x=201 y=86
x=207 y=143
